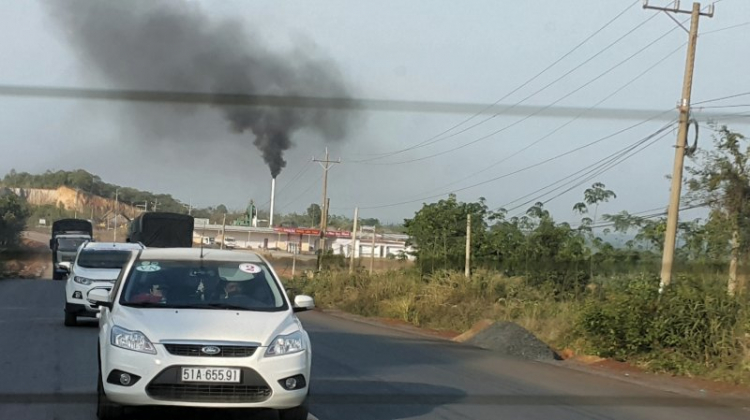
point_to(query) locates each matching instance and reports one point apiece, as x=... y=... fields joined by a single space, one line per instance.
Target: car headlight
x=286 y=344
x=82 y=280
x=131 y=340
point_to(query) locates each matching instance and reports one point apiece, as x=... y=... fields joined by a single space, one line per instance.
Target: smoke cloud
x=172 y=45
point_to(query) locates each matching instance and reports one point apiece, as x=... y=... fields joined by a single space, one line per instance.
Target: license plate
x=210 y=374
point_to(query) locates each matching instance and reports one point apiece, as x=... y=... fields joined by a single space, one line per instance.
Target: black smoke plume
x=171 y=45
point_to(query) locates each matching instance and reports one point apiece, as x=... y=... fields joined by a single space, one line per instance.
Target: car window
x=90 y=258
x=69 y=244
x=202 y=284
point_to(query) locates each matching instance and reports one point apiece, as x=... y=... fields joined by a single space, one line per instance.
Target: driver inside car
x=238 y=284
x=231 y=289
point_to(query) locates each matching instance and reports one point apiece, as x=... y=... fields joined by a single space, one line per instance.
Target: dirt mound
x=512 y=340
x=25 y=269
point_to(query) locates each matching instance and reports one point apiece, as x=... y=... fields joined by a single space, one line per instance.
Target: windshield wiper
x=157 y=305
x=219 y=305
x=145 y=305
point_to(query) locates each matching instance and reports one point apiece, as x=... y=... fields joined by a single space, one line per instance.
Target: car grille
x=194 y=350
x=209 y=392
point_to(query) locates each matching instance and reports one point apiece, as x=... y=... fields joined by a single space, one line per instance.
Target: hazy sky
x=417 y=50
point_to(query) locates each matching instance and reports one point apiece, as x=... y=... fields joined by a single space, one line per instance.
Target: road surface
x=360 y=371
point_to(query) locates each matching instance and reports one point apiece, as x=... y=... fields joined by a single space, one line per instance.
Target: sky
x=473 y=52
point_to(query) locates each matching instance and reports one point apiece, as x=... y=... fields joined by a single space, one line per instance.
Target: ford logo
x=210 y=350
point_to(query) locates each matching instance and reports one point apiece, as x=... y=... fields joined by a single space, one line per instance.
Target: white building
x=284 y=239
x=385 y=246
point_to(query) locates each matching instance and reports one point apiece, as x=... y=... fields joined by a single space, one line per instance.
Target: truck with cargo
x=67 y=236
x=162 y=230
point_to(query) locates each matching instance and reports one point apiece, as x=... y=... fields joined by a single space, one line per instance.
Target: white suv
x=201 y=328
x=96 y=265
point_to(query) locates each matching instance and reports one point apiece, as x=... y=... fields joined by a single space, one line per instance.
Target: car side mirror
x=65 y=266
x=303 y=303
x=51 y=244
x=99 y=297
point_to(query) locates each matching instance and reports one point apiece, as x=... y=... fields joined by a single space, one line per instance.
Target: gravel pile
x=513 y=340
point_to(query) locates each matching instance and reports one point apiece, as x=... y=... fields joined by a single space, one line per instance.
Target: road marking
x=311 y=417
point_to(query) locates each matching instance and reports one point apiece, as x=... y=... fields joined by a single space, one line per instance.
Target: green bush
x=618 y=321
x=693 y=327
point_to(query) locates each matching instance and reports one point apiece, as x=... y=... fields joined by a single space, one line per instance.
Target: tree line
x=535 y=245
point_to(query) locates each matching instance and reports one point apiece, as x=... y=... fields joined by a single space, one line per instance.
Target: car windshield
x=214 y=285
x=90 y=258
x=69 y=244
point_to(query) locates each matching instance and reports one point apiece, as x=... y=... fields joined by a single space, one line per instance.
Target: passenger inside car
x=152 y=294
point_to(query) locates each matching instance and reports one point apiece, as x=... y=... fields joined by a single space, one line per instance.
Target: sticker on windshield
x=148 y=266
x=249 y=268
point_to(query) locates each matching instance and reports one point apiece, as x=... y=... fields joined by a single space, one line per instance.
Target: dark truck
x=67 y=236
x=162 y=230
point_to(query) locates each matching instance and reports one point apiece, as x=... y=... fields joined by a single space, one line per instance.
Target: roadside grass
x=694 y=329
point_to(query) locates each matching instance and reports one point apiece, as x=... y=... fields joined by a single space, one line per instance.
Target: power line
x=524 y=84
x=537 y=141
x=739 y=25
x=302 y=194
x=649 y=216
x=526 y=168
x=600 y=167
x=722 y=98
x=725 y=106
x=537 y=112
x=574 y=174
x=609 y=166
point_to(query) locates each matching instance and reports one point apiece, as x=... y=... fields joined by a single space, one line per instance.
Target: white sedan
x=201 y=328
x=96 y=265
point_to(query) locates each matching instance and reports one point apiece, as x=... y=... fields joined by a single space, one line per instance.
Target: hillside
x=76 y=201
x=89 y=187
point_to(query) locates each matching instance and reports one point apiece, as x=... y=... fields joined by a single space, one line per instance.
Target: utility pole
x=372 y=254
x=224 y=231
x=294 y=259
x=354 y=241
x=467 y=270
x=326 y=165
x=117 y=210
x=673 y=210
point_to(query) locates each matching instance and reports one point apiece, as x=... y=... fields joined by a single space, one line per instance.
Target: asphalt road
x=360 y=371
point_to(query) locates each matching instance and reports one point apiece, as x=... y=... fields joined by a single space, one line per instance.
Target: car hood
x=162 y=325
x=97 y=273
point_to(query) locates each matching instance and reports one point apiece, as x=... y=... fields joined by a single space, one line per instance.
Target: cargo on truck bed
x=162 y=230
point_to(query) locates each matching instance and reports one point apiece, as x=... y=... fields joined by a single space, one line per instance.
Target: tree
x=593 y=196
x=371 y=221
x=13 y=214
x=438 y=233
x=721 y=178
x=314 y=214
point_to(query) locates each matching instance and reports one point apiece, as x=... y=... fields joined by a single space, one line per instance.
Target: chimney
x=273 y=198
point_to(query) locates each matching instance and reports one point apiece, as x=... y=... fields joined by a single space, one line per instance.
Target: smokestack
x=273 y=198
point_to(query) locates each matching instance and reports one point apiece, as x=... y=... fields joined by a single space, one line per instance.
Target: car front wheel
x=105 y=409
x=71 y=320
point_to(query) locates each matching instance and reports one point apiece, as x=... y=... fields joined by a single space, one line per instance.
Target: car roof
x=209 y=254
x=117 y=246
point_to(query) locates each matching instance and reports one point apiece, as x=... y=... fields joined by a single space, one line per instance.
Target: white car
x=201 y=328
x=96 y=265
